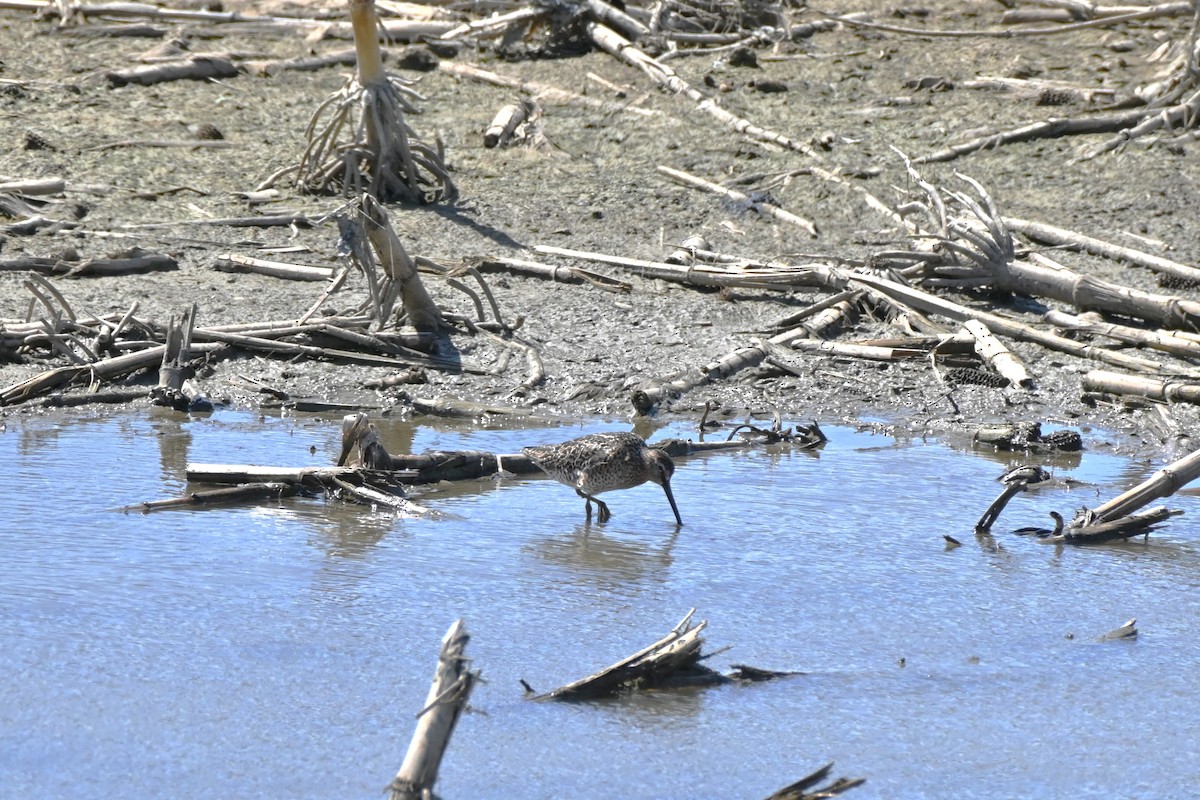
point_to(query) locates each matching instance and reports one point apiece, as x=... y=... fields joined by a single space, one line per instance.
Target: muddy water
x=281 y=651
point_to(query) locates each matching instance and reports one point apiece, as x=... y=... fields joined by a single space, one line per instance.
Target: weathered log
x=1172 y=391
x=452 y=685
x=1175 y=343
x=196 y=69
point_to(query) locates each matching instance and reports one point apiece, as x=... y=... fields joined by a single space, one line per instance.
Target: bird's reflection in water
x=607 y=561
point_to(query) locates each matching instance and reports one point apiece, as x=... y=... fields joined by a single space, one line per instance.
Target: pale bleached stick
x=545 y=93
x=1161 y=389
x=1164 y=483
x=767 y=209
x=996 y=355
x=1052 y=234
x=781 y=278
x=616 y=45
x=923 y=301
x=1093 y=323
x=232 y=262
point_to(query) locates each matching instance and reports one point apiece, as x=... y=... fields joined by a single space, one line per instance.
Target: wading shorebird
x=604 y=462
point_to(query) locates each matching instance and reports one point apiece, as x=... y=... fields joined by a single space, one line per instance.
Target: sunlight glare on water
x=282 y=649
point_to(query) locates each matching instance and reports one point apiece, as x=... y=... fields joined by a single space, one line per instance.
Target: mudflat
x=856 y=97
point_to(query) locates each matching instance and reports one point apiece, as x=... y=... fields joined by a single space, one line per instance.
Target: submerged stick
x=807 y=788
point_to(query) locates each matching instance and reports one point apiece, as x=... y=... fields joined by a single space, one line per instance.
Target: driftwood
x=448 y=696
x=809 y=788
x=1091 y=323
x=551 y=272
x=401 y=276
x=1049 y=129
x=997 y=356
x=1161 y=389
x=363 y=453
x=672 y=661
x=1111 y=521
x=356 y=478
x=777 y=277
x=740 y=199
x=1163 y=483
x=255 y=492
x=1052 y=234
x=647 y=398
x=129 y=262
x=99 y=348
x=1082 y=531
x=196 y=68
x=232 y=262
x=515 y=123
x=174 y=390
x=975 y=248
x=105 y=369
x=1116 y=519
x=616 y=45
x=997 y=324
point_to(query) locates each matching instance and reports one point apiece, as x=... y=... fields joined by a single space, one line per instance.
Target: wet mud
x=857 y=95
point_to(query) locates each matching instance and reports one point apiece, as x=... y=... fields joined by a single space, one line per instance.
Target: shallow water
x=282 y=650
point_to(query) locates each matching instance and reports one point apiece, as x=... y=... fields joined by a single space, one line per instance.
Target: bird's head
x=661 y=470
x=662 y=467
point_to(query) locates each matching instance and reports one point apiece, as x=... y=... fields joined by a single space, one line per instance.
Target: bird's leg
x=605 y=514
x=588 y=505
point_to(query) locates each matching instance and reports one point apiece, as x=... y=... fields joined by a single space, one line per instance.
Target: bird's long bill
x=671 y=499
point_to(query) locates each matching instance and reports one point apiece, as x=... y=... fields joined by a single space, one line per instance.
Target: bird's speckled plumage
x=605 y=462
